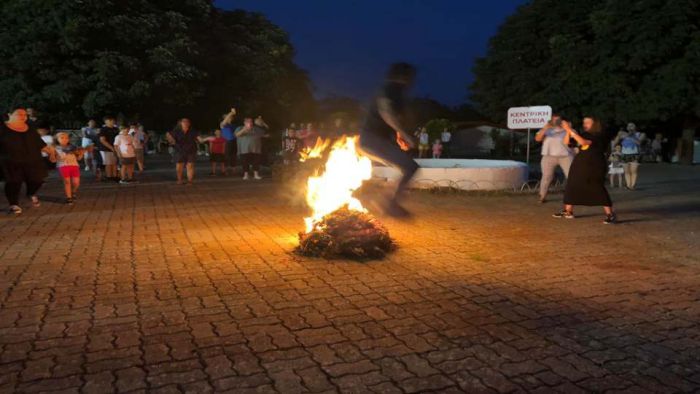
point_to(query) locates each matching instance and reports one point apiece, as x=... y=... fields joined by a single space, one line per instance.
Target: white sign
x=529 y=117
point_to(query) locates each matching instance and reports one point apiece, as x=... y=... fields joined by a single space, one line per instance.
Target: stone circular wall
x=465 y=174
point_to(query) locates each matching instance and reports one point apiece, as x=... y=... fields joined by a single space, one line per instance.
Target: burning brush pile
x=339 y=226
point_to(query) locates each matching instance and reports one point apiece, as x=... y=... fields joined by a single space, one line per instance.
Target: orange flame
x=343 y=174
x=315 y=152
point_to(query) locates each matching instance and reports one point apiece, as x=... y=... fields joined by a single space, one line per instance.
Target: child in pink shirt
x=437 y=149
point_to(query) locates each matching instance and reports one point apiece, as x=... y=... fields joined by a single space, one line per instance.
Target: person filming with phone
x=555 y=153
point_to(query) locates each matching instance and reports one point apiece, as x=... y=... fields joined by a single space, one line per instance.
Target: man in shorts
x=108 y=133
x=384 y=138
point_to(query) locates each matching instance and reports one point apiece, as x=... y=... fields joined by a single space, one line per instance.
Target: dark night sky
x=346 y=45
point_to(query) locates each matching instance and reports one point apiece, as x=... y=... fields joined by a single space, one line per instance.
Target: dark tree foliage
x=249 y=65
x=423 y=109
x=155 y=60
x=621 y=60
x=348 y=109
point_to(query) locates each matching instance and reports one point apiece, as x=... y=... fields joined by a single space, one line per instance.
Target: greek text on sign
x=529 y=117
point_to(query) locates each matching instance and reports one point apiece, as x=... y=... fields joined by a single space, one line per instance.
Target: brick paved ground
x=166 y=288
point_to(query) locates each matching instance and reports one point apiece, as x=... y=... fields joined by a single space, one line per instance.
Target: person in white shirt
x=423 y=143
x=89 y=136
x=446 y=138
x=124 y=148
x=46 y=136
x=555 y=153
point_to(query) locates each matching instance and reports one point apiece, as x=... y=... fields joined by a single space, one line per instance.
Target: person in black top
x=384 y=138
x=21 y=160
x=290 y=147
x=107 y=134
x=586 y=182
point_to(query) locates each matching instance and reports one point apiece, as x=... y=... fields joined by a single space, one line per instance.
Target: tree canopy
x=622 y=61
x=148 y=59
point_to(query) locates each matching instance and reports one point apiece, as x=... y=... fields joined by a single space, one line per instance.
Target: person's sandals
x=15 y=209
x=35 y=202
x=564 y=214
x=610 y=219
x=69 y=201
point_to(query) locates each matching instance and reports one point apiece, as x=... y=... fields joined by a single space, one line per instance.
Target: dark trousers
x=250 y=160
x=12 y=190
x=389 y=153
x=230 y=153
x=15 y=174
x=446 y=151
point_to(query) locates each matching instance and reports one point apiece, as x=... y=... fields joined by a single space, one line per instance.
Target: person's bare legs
x=179 y=167
x=569 y=208
x=140 y=159
x=628 y=180
x=608 y=210
x=190 y=172
x=612 y=180
x=76 y=185
x=88 y=161
x=130 y=172
x=67 y=188
x=634 y=171
x=124 y=173
x=223 y=168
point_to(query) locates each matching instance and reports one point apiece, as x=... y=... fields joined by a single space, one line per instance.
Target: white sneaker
x=15 y=209
x=245 y=176
x=35 y=201
x=257 y=176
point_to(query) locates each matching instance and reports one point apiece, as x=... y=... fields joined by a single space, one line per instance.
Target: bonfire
x=339 y=225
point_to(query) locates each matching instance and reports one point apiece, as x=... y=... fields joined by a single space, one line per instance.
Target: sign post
x=521 y=118
x=527 y=157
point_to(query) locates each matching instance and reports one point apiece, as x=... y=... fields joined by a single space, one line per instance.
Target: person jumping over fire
x=384 y=139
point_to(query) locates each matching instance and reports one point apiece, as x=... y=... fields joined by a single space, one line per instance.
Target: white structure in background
x=464 y=174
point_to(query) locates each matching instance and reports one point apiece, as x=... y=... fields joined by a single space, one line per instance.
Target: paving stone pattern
x=165 y=289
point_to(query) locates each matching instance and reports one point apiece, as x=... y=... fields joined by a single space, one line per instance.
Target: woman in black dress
x=21 y=160
x=586 y=182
